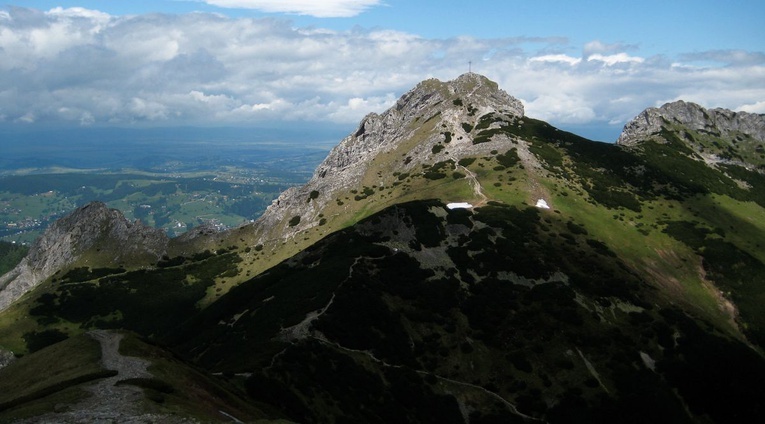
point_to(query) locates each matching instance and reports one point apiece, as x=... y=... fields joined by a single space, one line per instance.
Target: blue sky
x=582 y=65
x=655 y=26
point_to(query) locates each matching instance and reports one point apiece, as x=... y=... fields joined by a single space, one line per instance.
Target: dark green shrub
x=509 y=158
x=466 y=162
x=37 y=340
x=11 y=254
x=434 y=175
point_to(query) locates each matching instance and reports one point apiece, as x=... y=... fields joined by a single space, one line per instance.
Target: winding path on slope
x=473 y=181
x=110 y=403
x=106 y=396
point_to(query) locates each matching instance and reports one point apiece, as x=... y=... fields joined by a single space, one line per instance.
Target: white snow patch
x=459 y=205
x=542 y=204
x=649 y=362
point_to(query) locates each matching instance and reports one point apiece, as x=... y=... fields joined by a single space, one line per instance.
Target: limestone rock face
x=104 y=234
x=419 y=120
x=6 y=357
x=722 y=121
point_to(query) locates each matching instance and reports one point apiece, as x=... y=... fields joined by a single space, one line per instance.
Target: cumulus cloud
x=614 y=59
x=320 y=9
x=758 y=107
x=85 y=67
x=552 y=58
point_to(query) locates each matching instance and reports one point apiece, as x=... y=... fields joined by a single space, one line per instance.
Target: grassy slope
x=635 y=237
x=36 y=382
x=187 y=391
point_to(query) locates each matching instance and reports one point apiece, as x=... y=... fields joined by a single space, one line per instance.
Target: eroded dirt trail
x=110 y=403
x=109 y=399
x=477 y=187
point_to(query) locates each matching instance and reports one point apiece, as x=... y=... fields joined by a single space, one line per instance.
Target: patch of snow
x=649 y=362
x=459 y=205
x=542 y=204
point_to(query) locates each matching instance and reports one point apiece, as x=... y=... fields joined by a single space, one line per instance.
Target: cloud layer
x=319 y=9
x=83 y=67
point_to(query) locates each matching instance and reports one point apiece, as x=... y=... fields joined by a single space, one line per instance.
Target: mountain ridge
x=348 y=162
x=457 y=113
x=362 y=296
x=457 y=110
x=693 y=116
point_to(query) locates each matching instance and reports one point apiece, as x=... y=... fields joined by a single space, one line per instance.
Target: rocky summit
x=93 y=236
x=416 y=131
x=452 y=260
x=722 y=122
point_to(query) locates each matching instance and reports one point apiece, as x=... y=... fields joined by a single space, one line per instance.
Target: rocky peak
x=420 y=119
x=717 y=121
x=94 y=235
x=470 y=94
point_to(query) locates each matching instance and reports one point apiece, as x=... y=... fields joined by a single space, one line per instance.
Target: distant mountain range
x=451 y=260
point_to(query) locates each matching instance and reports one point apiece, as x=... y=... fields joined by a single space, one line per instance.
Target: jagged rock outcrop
x=6 y=357
x=94 y=235
x=420 y=119
x=718 y=121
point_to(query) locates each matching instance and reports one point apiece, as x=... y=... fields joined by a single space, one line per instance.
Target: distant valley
x=174 y=179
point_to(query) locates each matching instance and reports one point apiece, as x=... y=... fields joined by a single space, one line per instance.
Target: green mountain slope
x=93 y=377
x=585 y=282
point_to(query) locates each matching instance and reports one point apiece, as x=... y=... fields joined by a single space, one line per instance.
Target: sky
x=588 y=66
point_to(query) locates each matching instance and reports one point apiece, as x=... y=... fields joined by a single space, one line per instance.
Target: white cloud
x=557 y=58
x=561 y=107
x=318 y=8
x=80 y=12
x=148 y=109
x=758 y=107
x=361 y=106
x=27 y=118
x=87 y=68
x=615 y=59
